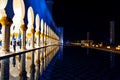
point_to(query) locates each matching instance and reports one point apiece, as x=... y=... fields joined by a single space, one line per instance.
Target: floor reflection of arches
x=14 y=71
x=44 y=62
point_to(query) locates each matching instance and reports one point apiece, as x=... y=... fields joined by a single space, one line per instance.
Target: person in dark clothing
x=20 y=43
x=14 y=45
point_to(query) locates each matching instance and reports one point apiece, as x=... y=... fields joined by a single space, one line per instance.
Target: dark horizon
x=78 y=18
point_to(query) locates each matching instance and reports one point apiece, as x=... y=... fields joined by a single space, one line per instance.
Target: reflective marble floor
x=76 y=63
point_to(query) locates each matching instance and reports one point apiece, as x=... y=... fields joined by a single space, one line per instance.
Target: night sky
x=79 y=17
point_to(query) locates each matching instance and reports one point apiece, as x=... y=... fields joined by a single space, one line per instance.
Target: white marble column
x=5 y=47
x=23 y=35
x=18 y=20
x=32 y=38
x=30 y=17
x=44 y=40
x=5 y=40
x=38 y=30
x=5 y=33
x=38 y=45
x=42 y=34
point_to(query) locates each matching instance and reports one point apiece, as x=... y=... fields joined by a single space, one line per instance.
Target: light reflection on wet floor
x=34 y=69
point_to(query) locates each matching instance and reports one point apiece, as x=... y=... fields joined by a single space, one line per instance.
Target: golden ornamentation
x=29 y=35
x=15 y=34
x=37 y=61
x=5 y=21
x=32 y=31
x=22 y=28
x=45 y=35
x=37 y=32
x=41 y=35
x=11 y=34
x=32 y=66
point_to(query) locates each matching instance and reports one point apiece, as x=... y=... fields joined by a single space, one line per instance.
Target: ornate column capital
x=32 y=30
x=37 y=32
x=23 y=28
x=5 y=21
